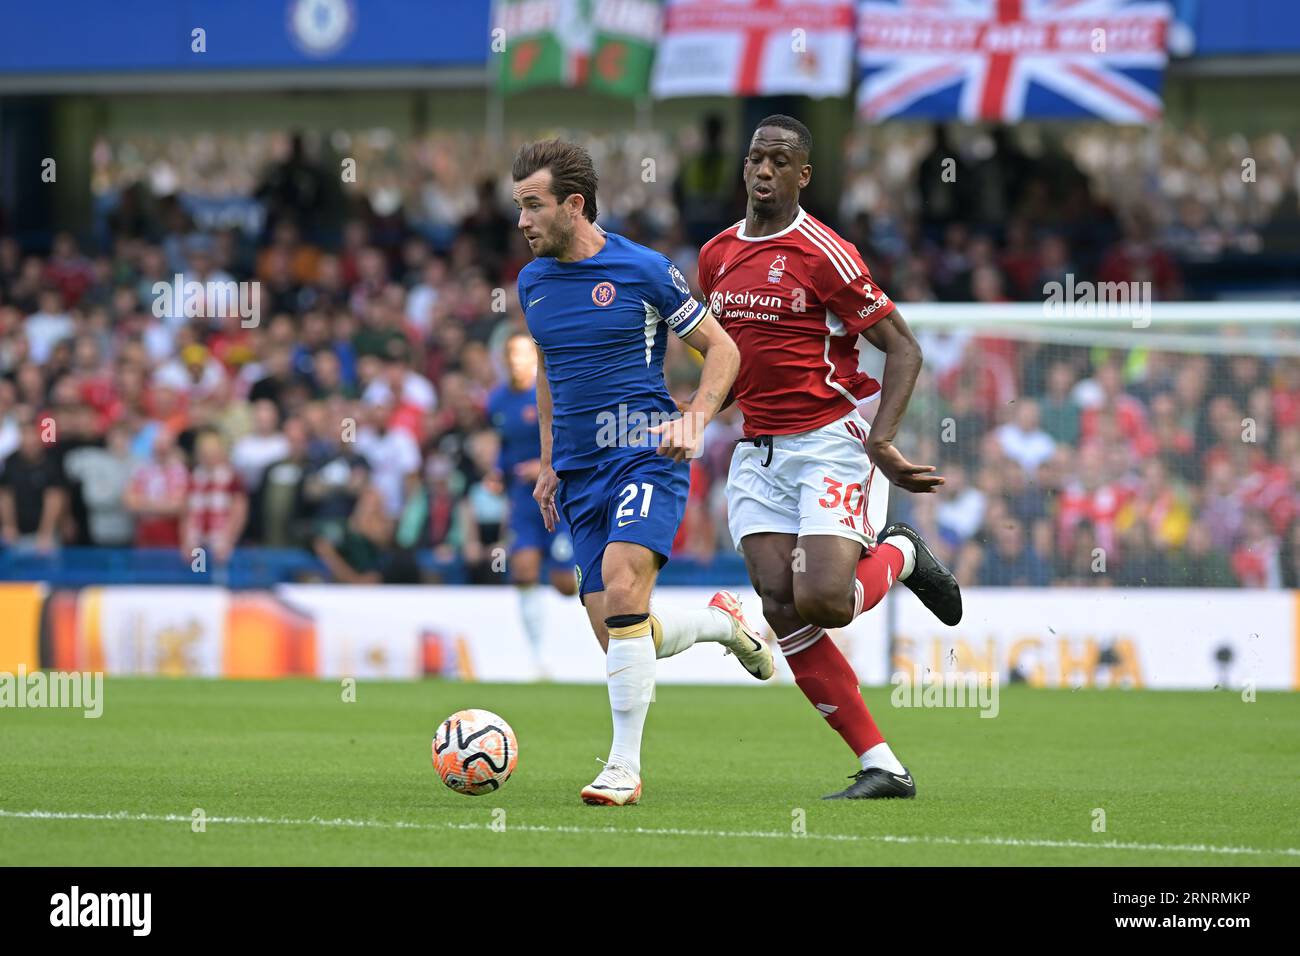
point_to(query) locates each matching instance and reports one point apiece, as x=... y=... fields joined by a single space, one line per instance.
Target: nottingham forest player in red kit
x=809 y=483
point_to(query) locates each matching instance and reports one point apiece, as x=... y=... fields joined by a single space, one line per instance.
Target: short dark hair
x=572 y=170
x=781 y=121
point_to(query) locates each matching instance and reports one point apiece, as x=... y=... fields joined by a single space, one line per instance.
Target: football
x=475 y=752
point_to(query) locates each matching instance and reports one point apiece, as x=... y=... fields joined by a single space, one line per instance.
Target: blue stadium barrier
x=265 y=567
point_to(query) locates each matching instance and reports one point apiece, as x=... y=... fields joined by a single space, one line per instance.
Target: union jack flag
x=1004 y=60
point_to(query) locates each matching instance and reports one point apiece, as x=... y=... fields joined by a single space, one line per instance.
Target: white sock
x=881 y=756
x=903 y=543
x=681 y=629
x=630 y=665
x=532 y=608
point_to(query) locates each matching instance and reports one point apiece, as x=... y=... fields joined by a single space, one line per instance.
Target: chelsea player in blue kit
x=535 y=552
x=599 y=308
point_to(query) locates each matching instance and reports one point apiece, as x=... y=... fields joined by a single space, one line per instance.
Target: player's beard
x=560 y=237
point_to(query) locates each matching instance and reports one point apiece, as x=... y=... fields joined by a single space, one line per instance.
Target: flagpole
x=494 y=120
x=494 y=78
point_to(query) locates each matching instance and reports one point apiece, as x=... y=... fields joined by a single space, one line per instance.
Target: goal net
x=1154 y=446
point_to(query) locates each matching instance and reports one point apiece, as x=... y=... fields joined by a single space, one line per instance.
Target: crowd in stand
x=350 y=419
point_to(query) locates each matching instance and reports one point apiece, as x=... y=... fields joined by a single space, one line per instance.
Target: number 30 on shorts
x=837 y=494
x=626 y=506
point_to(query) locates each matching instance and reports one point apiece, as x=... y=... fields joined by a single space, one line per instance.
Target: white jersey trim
x=652 y=319
x=843 y=263
x=798 y=220
x=830 y=366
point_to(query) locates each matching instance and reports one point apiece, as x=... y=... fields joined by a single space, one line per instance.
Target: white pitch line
x=125 y=816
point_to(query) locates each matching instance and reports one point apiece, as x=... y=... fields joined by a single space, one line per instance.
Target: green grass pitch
x=288 y=773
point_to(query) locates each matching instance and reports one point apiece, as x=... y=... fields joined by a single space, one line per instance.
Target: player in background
x=808 y=486
x=512 y=409
x=600 y=309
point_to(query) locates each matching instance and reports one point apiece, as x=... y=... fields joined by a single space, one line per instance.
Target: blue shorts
x=637 y=497
x=528 y=530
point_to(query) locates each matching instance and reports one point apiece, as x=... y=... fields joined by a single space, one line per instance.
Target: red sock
x=827 y=680
x=877 y=570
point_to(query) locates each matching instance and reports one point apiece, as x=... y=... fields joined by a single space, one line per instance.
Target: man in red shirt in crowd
x=216 y=504
x=808 y=485
x=156 y=494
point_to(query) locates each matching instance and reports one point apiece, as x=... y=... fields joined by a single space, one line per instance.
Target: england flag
x=1005 y=60
x=755 y=48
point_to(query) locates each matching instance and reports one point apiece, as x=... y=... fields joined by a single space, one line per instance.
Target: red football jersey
x=795 y=303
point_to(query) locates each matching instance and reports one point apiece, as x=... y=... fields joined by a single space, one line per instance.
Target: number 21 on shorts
x=627 y=510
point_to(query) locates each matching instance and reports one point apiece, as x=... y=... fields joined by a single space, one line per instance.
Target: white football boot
x=750 y=649
x=616 y=786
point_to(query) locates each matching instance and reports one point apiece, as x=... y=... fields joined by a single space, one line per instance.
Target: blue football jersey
x=602 y=325
x=514 y=415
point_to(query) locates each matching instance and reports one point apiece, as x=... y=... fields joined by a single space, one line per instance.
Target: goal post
x=1118 y=452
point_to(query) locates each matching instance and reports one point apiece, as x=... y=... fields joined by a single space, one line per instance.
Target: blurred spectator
x=216 y=503
x=425 y=295
x=441 y=490
x=705 y=189
x=277 y=378
x=483 y=511
x=1141 y=564
x=48 y=326
x=960 y=511
x=392 y=453
x=1222 y=510
x=335 y=478
x=104 y=475
x=944 y=195
x=265 y=444
x=1257 y=559
x=1173 y=441
x=288 y=258
x=1023 y=441
x=400 y=385
x=1012 y=561
x=1058 y=414
x=1162 y=504
x=68 y=270
x=293 y=189
x=279 y=510
x=156 y=492
x=364 y=554
x=1105 y=400
x=1084 y=563
x=1201 y=564
x=33 y=491
x=194 y=373
x=1137 y=258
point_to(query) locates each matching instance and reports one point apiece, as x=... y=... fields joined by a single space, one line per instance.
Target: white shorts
x=818 y=482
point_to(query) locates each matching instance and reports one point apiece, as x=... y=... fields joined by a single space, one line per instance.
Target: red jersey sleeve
x=846 y=288
x=704 y=271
